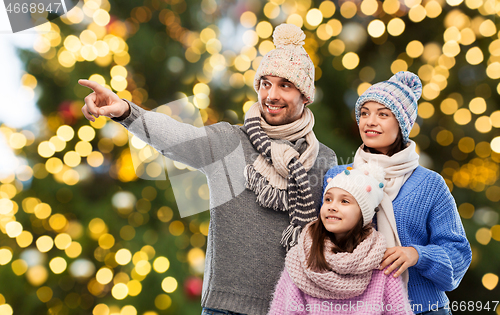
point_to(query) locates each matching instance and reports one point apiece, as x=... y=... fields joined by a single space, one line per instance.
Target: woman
x=425 y=238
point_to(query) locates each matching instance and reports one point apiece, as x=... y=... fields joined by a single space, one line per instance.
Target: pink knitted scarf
x=350 y=273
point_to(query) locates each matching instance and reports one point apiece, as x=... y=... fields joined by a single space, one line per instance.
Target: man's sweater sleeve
x=447 y=257
x=176 y=140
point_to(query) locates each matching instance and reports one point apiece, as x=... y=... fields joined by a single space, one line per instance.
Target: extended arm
x=176 y=140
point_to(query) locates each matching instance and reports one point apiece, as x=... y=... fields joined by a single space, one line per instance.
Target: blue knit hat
x=400 y=94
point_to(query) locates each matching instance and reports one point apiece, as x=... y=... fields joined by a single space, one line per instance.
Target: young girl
x=334 y=267
x=419 y=219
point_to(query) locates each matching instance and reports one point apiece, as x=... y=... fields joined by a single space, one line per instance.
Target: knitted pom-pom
x=381 y=185
x=368 y=188
x=349 y=168
x=288 y=34
x=409 y=79
x=347 y=172
x=374 y=170
x=329 y=180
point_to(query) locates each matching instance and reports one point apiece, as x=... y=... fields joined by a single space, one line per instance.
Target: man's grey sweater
x=244 y=258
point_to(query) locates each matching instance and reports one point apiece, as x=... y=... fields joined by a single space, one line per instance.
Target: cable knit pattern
x=350 y=274
x=427 y=219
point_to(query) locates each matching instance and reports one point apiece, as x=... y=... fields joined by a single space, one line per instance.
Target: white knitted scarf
x=398 y=168
x=279 y=174
x=350 y=273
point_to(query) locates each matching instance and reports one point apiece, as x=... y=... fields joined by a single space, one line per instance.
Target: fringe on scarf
x=267 y=195
x=290 y=236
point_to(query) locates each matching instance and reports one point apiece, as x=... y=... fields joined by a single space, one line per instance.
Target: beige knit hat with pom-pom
x=289 y=60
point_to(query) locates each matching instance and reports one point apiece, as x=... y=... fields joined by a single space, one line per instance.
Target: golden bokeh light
x=123 y=256
x=46 y=149
x=176 y=228
x=474 y=56
x=490 y=281
x=44 y=243
x=483 y=236
x=327 y=8
x=104 y=275
x=73 y=250
x=376 y=28
x=495 y=144
x=462 y=116
x=396 y=27
x=163 y=301
x=449 y=106
x=5 y=255
x=169 y=284
x=417 y=13
x=13 y=229
x=62 y=241
x=415 y=49
x=425 y=110
x=451 y=48
x=161 y=264
x=369 y=7
x=433 y=9
x=19 y=267
x=119 y=291
x=477 y=105
x=348 y=9
x=314 y=17
x=58 y=265
x=42 y=210
x=24 y=239
x=350 y=60
x=444 y=137
x=483 y=124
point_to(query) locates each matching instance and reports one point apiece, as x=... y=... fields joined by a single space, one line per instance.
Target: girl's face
x=340 y=212
x=378 y=126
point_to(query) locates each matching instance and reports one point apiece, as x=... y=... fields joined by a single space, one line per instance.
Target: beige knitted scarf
x=350 y=273
x=398 y=168
x=279 y=174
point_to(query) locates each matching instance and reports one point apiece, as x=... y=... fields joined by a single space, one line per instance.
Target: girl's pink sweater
x=384 y=295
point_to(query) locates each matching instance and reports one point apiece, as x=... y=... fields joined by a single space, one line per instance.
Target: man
x=281 y=162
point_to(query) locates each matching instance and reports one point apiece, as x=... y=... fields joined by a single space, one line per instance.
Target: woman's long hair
x=395 y=147
x=348 y=243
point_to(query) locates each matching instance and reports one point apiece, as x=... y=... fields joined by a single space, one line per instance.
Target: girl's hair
x=348 y=243
x=396 y=146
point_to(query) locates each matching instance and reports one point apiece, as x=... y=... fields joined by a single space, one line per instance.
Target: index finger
x=92 y=85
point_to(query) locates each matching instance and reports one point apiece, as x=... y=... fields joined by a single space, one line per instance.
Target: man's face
x=280 y=102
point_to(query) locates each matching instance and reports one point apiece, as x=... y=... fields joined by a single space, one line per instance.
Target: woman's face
x=378 y=126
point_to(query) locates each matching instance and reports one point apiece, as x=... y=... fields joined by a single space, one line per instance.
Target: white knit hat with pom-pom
x=365 y=184
x=289 y=60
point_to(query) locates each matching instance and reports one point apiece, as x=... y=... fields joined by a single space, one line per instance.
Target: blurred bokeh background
x=82 y=231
